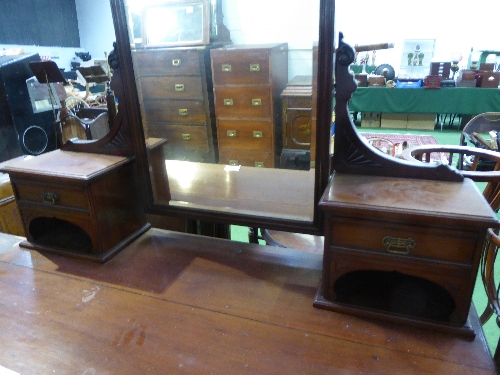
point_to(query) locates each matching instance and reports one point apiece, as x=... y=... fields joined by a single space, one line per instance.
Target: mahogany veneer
x=172 y=303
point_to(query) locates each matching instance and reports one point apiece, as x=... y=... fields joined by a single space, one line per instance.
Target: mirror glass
x=227 y=107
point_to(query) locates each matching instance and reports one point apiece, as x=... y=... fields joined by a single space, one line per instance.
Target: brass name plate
x=183 y=112
x=186 y=137
x=228 y=101
x=231 y=133
x=226 y=67
x=256 y=102
x=257 y=134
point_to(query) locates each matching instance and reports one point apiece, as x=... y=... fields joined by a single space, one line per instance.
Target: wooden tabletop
x=175 y=303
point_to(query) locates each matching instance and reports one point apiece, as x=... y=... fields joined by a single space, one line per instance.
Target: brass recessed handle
x=226 y=68
x=186 y=137
x=176 y=62
x=179 y=87
x=183 y=112
x=228 y=101
x=257 y=134
x=256 y=102
x=50 y=198
x=259 y=164
x=397 y=245
x=233 y=162
x=255 y=67
x=231 y=133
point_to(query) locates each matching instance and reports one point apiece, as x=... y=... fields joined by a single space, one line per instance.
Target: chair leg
x=486 y=315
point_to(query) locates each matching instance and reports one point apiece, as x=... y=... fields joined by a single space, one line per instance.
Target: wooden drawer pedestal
x=403 y=250
x=78 y=204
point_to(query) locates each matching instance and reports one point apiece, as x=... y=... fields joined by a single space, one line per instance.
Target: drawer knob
x=233 y=163
x=228 y=101
x=256 y=102
x=257 y=134
x=231 y=133
x=226 y=67
x=397 y=245
x=176 y=62
x=255 y=67
x=183 y=112
x=50 y=198
x=179 y=87
x=259 y=164
x=186 y=137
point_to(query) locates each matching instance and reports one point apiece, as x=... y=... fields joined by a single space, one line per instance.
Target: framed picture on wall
x=416 y=58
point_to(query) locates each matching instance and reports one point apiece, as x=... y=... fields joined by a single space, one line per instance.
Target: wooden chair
x=463 y=153
x=483 y=123
x=490 y=285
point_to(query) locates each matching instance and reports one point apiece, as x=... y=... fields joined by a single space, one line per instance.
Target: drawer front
x=243 y=102
x=240 y=67
x=183 y=111
x=247 y=158
x=178 y=87
x=400 y=239
x=166 y=62
x=254 y=135
x=199 y=155
x=180 y=135
x=299 y=102
x=60 y=196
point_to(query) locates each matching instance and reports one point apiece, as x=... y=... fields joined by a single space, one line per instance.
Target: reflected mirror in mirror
x=235 y=120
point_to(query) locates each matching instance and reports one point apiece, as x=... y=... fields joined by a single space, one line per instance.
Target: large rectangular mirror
x=238 y=123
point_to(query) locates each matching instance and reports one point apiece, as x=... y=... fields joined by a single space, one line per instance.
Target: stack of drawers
x=175 y=92
x=248 y=81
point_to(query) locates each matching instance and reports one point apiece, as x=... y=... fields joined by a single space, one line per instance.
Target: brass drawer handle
x=50 y=198
x=179 y=87
x=176 y=62
x=259 y=164
x=183 y=112
x=255 y=67
x=228 y=101
x=397 y=245
x=231 y=133
x=256 y=102
x=233 y=163
x=257 y=134
x=226 y=68
x=186 y=137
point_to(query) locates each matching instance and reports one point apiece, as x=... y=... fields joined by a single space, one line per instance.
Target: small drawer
x=185 y=136
x=172 y=88
x=175 y=111
x=166 y=62
x=247 y=158
x=240 y=67
x=52 y=195
x=299 y=102
x=243 y=102
x=256 y=135
x=401 y=239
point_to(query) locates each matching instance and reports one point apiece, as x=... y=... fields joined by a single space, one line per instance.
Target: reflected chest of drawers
x=403 y=250
x=248 y=81
x=78 y=204
x=176 y=99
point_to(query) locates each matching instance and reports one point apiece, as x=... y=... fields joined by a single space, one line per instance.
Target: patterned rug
x=408 y=140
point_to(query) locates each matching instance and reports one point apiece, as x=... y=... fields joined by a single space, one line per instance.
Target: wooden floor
x=172 y=303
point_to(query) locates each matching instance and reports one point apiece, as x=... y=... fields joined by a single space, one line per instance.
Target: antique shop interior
x=223 y=186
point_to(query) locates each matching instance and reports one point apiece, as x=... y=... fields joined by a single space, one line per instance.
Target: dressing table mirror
x=207 y=111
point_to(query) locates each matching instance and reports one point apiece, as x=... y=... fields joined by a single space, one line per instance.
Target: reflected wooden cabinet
x=248 y=81
x=176 y=99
